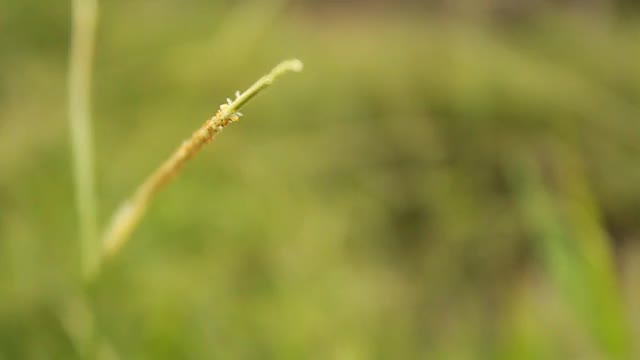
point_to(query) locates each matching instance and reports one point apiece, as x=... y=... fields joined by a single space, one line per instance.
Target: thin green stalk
x=84 y=17
x=130 y=213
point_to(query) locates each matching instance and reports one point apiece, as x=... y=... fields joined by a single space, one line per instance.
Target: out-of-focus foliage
x=430 y=186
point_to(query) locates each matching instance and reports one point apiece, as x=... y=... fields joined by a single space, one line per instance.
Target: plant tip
x=296 y=65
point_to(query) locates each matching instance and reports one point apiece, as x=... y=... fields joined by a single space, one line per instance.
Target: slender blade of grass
x=84 y=18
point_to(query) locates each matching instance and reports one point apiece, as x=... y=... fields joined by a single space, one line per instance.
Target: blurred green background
x=445 y=180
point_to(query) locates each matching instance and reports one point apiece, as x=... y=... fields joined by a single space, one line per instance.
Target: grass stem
x=130 y=213
x=84 y=18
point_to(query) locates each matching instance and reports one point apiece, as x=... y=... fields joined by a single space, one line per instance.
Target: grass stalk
x=84 y=18
x=132 y=210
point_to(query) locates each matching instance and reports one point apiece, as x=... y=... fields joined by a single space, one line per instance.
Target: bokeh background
x=445 y=180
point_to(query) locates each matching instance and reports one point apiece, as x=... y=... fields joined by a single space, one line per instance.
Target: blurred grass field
x=429 y=187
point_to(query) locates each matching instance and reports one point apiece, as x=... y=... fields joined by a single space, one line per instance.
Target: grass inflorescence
x=130 y=213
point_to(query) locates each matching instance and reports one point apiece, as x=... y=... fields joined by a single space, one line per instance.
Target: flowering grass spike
x=130 y=213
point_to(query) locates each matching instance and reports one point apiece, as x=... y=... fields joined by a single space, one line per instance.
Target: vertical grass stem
x=84 y=18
